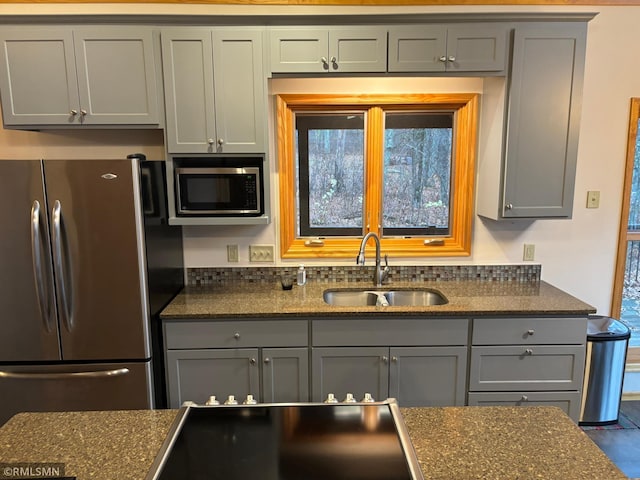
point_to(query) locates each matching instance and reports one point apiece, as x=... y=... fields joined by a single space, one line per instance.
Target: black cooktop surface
x=288 y=442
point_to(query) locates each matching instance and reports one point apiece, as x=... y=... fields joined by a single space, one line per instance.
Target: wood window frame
x=457 y=243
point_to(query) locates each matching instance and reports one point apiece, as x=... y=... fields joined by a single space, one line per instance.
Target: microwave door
x=29 y=328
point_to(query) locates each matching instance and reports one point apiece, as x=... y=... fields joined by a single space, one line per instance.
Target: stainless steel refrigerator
x=87 y=261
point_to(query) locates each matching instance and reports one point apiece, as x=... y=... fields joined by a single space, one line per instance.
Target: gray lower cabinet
x=420 y=362
x=522 y=361
x=215 y=90
x=267 y=359
x=542 y=119
x=569 y=402
x=352 y=49
x=71 y=75
x=448 y=48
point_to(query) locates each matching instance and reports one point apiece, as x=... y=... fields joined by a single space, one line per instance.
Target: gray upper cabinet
x=214 y=90
x=328 y=49
x=448 y=48
x=65 y=76
x=543 y=104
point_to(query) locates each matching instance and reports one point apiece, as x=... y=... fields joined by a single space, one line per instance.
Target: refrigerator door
x=54 y=388
x=28 y=325
x=98 y=256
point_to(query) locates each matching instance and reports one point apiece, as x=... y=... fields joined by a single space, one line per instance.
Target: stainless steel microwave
x=219 y=191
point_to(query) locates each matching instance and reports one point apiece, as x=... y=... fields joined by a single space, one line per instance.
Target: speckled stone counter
x=464 y=298
x=451 y=443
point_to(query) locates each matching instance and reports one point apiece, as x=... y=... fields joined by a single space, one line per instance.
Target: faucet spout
x=379 y=274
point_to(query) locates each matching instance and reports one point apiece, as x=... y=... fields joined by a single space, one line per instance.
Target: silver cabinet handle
x=252 y=361
x=43 y=289
x=443 y=58
x=530 y=332
x=64 y=375
x=325 y=63
x=83 y=112
x=220 y=141
x=211 y=141
x=394 y=359
x=236 y=335
x=267 y=360
x=524 y=398
x=73 y=112
x=385 y=359
x=451 y=59
x=334 y=63
x=528 y=351
x=508 y=206
x=59 y=260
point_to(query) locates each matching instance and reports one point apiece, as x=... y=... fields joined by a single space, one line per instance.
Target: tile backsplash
x=488 y=273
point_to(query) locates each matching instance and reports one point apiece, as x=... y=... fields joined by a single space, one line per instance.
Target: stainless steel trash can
x=607 y=342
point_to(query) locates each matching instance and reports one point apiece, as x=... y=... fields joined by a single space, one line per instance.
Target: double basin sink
x=412 y=297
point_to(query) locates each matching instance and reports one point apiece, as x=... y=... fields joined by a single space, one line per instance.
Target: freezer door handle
x=59 y=264
x=117 y=372
x=43 y=287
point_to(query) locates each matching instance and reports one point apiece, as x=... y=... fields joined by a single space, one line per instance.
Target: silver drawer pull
x=236 y=335
x=528 y=351
x=530 y=332
x=524 y=398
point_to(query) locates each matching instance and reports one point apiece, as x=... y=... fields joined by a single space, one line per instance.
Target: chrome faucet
x=380 y=274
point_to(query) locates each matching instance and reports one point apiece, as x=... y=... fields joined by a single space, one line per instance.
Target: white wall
x=577 y=255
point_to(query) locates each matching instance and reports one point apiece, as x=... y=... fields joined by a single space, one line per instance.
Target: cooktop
x=298 y=441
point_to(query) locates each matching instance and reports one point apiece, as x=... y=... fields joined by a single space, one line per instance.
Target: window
x=402 y=167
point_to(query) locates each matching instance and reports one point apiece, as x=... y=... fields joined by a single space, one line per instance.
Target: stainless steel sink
x=412 y=297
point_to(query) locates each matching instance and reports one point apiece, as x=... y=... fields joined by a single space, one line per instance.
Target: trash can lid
x=602 y=328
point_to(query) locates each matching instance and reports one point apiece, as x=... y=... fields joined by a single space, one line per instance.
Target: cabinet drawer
x=387 y=332
x=531 y=367
x=235 y=334
x=529 y=331
x=568 y=402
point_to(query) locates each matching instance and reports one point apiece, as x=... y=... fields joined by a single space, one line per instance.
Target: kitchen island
x=450 y=442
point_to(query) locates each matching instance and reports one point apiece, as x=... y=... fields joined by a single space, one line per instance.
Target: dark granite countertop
x=451 y=443
x=465 y=298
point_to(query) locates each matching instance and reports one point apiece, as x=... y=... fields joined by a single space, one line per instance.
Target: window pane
x=417 y=173
x=634 y=203
x=330 y=163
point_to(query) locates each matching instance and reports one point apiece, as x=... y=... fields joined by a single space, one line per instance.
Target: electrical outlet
x=529 y=252
x=261 y=253
x=232 y=253
x=593 y=199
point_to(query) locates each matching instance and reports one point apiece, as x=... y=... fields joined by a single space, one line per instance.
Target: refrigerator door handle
x=117 y=372
x=43 y=288
x=59 y=266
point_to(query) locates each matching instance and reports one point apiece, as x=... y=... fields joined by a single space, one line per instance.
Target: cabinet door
x=428 y=376
x=419 y=48
x=350 y=370
x=239 y=81
x=285 y=375
x=357 y=49
x=531 y=367
x=476 y=48
x=194 y=375
x=116 y=75
x=299 y=50
x=38 y=76
x=544 y=103
x=187 y=63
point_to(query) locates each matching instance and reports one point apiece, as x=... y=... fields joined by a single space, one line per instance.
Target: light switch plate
x=232 y=253
x=593 y=199
x=261 y=253
x=529 y=253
